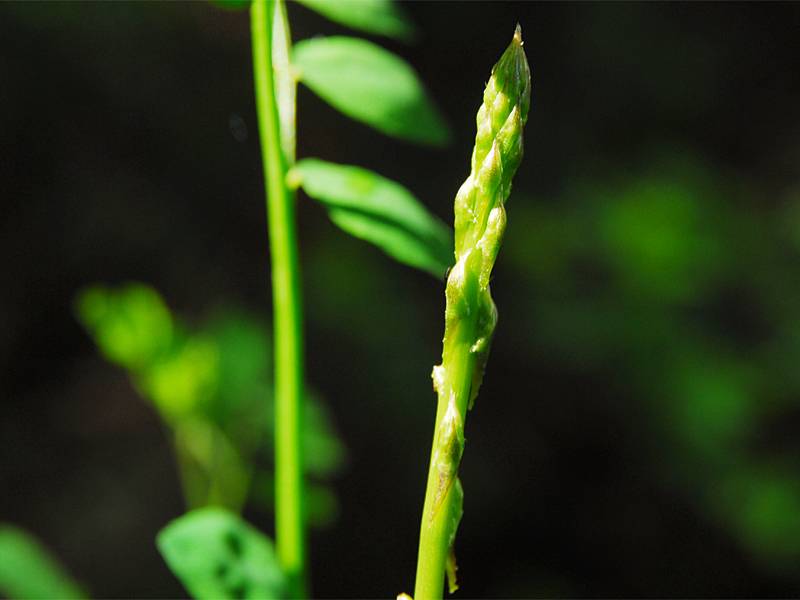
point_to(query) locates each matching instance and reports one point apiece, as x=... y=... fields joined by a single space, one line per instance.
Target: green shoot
x=470 y=315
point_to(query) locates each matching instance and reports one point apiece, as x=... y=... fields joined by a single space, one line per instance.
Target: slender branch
x=287 y=310
x=470 y=314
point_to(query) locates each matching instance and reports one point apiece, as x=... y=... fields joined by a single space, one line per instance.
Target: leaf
x=380 y=211
x=244 y=385
x=214 y=472
x=371 y=85
x=184 y=380
x=231 y=4
x=383 y=17
x=27 y=571
x=131 y=325
x=217 y=555
x=324 y=453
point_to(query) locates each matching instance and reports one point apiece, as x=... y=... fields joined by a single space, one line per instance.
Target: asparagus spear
x=470 y=315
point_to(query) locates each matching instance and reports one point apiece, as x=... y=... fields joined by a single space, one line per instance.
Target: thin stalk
x=470 y=313
x=287 y=310
x=443 y=495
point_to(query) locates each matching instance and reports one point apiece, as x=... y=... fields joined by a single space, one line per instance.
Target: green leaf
x=131 y=325
x=380 y=211
x=217 y=555
x=232 y=4
x=383 y=17
x=27 y=571
x=244 y=349
x=372 y=85
x=184 y=380
x=324 y=453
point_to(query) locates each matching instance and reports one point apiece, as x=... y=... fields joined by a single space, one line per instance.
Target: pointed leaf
x=380 y=211
x=392 y=240
x=217 y=555
x=383 y=17
x=372 y=85
x=27 y=571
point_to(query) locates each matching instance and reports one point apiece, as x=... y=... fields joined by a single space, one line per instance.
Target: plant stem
x=443 y=495
x=470 y=313
x=287 y=311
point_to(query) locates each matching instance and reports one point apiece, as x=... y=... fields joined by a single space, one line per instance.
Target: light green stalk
x=470 y=315
x=287 y=303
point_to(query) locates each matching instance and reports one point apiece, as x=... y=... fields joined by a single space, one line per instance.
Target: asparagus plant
x=470 y=314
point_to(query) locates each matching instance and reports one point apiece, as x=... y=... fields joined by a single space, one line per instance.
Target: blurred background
x=638 y=430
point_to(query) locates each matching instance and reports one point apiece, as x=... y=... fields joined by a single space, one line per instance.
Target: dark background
x=637 y=431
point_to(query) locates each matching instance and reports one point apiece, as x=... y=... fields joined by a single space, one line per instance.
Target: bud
x=480 y=216
x=471 y=315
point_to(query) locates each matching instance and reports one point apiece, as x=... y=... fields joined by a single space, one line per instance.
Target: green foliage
x=184 y=379
x=28 y=572
x=217 y=555
x=671 y=251
x=383 y=17
x=660 y=239
x=324 y=454
x=371 y=85
x=232 y=4
x=380 y=211
x=761 y=504
x=132 y=329
x=211 y=385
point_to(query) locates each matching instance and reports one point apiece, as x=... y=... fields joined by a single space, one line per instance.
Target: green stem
x=470 y=314
x=442 y=508
x=287 y=315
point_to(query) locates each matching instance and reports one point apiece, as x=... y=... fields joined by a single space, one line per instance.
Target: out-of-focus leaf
x=662 y=239
x=372 y=85
x=383 y=17
x=28 y=572
x=380 y=211
x=322 y=506
x=131 y=325
x=760 y=503
x=323 y=451
x=232 y=4
x=243 y=349
x=211 y=387
x=217 y=555
x=212 y=467
x=321 y=502
x=184 y=379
